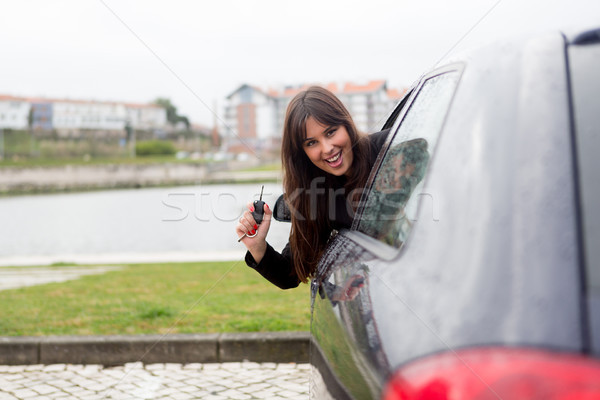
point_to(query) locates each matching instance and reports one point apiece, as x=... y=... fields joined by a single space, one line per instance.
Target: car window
x=390 y=207
x=585 y=81
x=585 y=87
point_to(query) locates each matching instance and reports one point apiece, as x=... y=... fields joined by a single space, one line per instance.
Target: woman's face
x=328 y=147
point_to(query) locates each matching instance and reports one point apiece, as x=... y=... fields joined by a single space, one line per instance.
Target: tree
x=172 y=116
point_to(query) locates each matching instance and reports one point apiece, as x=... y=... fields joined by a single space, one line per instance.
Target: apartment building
x=146 y=116
x=14 y=112
x=74 y=117
x=250 y=119
x=254 y=117
x=70 y=117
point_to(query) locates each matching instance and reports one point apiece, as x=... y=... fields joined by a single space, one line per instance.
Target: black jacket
x=278 y=268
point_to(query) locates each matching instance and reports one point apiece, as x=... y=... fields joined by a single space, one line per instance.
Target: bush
x=154 y=147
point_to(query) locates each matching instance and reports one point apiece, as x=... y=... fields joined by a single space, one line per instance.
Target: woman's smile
x=333 y=161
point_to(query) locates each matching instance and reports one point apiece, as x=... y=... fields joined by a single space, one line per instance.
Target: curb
x=278 y=347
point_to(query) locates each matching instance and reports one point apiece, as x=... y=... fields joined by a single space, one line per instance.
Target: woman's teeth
x=334 y=158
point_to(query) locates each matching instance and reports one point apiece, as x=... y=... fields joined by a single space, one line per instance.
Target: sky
x=198 y=52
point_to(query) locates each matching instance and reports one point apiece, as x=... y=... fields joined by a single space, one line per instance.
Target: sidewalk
x=245 y=380
x=134 y=258
x=208 y=366
x=13 y=278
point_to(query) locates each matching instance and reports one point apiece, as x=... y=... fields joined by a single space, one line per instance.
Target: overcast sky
x=197 y=52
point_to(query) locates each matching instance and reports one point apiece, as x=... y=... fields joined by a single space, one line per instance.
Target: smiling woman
x=326 y=164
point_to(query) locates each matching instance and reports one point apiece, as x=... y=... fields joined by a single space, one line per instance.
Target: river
x=185 y=223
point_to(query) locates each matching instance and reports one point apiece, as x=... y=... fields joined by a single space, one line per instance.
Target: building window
x=246 y=95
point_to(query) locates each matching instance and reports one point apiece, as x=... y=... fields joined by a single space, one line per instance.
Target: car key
x=258 y=213
x=259 y=208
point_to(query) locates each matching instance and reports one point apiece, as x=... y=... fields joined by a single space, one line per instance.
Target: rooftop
x=338 y=88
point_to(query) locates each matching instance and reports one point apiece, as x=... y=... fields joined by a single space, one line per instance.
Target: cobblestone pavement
x=246 y=380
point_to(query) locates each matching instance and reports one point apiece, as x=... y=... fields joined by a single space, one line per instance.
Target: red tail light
x=507 y=374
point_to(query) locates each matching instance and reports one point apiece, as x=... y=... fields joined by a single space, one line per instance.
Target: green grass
x=210 y=297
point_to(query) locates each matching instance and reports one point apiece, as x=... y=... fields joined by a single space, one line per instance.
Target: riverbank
x=70 y=178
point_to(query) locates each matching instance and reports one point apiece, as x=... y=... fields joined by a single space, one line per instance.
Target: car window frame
x=391 y=120
x=401 y=111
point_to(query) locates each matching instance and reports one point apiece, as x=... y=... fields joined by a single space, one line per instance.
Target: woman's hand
x=350 y=290
x=257 y=245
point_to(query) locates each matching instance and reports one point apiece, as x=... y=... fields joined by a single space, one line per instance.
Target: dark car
x=472 y=270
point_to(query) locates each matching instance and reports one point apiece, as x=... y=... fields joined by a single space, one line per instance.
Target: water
x=176 y=224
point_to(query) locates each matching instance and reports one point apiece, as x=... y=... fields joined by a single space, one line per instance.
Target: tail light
x=497 y=373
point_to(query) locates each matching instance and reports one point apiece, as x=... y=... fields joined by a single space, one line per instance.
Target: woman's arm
x=275 y=267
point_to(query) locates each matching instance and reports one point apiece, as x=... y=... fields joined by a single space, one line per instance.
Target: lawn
x=207 y=297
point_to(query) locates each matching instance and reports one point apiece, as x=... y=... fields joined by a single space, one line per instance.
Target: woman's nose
x=327 y=146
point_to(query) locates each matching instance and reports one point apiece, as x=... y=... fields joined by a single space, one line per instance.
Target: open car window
x=391 y=204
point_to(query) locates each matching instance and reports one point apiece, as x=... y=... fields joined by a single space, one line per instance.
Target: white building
x=14 y=112
x=72 y=116
x=369 y=104
x=146 y=116
x=250 y=118
x=254 y=117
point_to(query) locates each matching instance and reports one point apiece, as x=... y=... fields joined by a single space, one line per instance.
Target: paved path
x=12 y=278
x=246 y=380
x=123 y=258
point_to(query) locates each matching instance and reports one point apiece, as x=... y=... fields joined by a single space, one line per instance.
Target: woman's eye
x=331 y=132
x=310 y=143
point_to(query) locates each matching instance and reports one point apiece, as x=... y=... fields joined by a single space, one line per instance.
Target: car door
x=347 y=350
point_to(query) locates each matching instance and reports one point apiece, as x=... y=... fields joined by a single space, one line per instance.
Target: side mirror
x=281 y=212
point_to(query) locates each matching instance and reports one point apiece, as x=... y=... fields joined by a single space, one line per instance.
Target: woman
x=326 y=164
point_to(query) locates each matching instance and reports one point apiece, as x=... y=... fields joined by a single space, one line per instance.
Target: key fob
x=259 y=211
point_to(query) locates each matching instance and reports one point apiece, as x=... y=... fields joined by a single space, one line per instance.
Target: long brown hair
x=311 y=225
